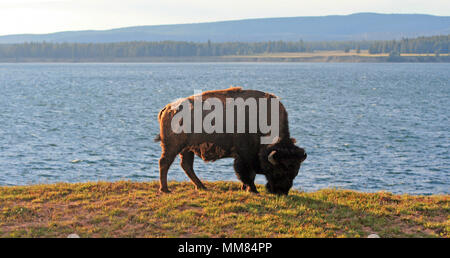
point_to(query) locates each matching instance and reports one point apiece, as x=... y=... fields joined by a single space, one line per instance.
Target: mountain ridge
x=358 y=26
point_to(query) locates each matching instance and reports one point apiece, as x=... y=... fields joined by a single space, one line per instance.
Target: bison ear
x=293 y=140
x=271 y=158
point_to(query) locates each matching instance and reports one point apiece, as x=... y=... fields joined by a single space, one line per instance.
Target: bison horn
x=271 y=158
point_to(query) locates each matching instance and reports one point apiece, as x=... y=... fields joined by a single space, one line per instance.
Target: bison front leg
x=245 y=174
x=187 y=163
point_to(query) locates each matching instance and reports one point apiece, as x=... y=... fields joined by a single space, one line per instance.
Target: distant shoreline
x=250 y=59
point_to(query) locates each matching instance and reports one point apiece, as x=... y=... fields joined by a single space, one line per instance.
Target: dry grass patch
x=131 y=209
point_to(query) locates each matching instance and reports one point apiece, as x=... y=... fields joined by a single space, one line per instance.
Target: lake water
x=367 y=127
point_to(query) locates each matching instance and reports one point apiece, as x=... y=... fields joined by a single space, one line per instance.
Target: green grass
x=130 y=209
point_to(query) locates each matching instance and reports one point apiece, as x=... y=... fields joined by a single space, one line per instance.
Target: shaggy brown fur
x=250 y=156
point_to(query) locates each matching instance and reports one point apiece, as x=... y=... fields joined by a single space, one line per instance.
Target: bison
x=279 y=161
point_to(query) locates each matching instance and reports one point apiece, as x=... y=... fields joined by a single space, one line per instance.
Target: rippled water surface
x=367 y=127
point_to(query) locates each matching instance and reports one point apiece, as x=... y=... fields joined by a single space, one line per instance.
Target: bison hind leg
x=187 y=163
x=246 y=174
x=168 y=155
x=164 y=163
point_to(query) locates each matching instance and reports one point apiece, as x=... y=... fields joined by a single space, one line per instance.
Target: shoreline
x=137 y=209
x=247 y=59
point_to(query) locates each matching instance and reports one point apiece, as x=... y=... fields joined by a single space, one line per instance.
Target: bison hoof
x=201 y=187
x=164 y=190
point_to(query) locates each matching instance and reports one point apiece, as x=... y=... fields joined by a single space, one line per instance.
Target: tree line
x=135 y=49
x=145 y=49
x=420 y=45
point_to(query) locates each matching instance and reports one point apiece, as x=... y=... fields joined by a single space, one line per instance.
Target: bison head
x=280 y=164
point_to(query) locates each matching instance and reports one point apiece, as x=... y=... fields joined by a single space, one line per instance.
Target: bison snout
x=277 y=190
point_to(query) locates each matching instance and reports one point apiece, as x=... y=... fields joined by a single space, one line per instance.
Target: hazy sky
x=44 y=16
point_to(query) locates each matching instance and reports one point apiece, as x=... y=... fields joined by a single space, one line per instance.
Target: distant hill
x=360 y=26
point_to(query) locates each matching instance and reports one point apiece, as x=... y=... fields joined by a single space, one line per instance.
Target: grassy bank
x=314 y=57
x=130 y=209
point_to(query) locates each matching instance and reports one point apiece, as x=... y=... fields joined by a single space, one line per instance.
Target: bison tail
x=160 y=113
x=158 y=137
